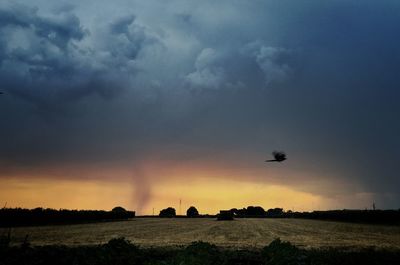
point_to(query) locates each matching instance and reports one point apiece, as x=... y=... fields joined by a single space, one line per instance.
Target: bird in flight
x=279 y=157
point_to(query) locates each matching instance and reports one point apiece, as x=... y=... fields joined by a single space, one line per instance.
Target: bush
x=282 y=253
x=199 y=253
x=119 y=251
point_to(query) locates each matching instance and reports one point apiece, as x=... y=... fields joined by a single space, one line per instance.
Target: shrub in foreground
x=199 y=253
x=122 y=252
x=282 y=253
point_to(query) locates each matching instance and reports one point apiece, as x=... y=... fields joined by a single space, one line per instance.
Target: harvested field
x=241 y=233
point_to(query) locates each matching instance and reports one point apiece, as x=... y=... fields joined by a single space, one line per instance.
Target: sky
x=143 y=103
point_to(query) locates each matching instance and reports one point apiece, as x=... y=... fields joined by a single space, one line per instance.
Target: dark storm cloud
x=235 y=80
x=45 y=59
x=58 y=31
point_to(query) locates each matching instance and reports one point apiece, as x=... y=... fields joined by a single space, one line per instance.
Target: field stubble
x=241 y=233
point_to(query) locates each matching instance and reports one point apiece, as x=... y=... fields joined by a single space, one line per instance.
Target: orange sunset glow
x=154 y=185
x=208 y=198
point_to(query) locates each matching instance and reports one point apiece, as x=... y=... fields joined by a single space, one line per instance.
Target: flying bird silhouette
x=279 y=157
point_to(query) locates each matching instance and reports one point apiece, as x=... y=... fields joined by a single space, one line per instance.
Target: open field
x=241 y=233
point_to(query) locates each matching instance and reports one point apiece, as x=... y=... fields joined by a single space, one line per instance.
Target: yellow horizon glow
x=212 y=195
x=63 y=194
x=206 y=194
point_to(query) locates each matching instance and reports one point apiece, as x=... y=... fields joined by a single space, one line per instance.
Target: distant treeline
x=257 y=211
x=357 y=216
x=41 y=216
x=44 y=216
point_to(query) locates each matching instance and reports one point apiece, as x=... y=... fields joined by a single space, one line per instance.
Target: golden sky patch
x=207 y=194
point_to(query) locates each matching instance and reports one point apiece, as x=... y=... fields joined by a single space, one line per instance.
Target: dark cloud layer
x=318 y=79
x=46 y=61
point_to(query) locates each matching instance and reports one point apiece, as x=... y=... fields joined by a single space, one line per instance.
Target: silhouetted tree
x=255 y=211
x=234 y=211
x=168 y=212
x=275 y=212
x=118 y=209
x=192 y=212
x=238 y=212
x=225 y=215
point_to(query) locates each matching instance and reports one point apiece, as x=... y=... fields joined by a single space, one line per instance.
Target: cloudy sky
x=143 y=103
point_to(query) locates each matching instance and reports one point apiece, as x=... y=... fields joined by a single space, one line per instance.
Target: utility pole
x=180 y=206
